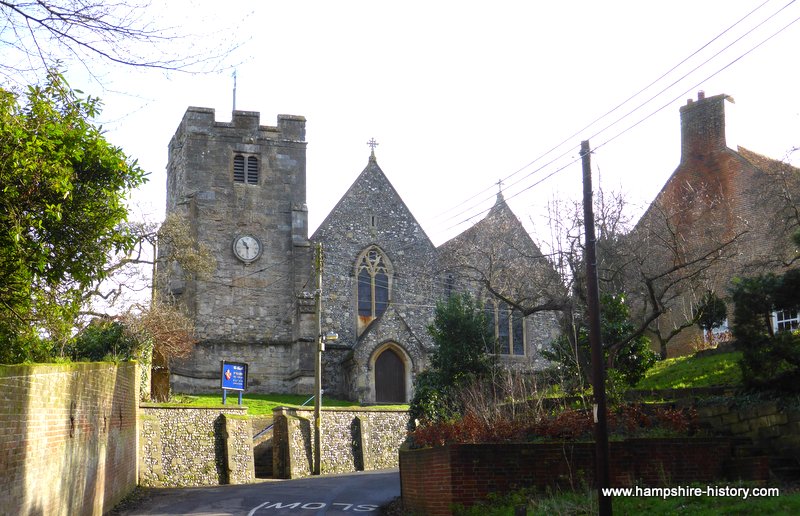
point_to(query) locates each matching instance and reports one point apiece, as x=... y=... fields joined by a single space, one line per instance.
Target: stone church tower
x=242 y=187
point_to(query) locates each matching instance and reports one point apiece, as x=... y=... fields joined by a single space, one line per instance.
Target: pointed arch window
x=508 y=327
x=374 y=277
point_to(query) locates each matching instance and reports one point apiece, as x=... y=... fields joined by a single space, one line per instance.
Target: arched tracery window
x=374 y=277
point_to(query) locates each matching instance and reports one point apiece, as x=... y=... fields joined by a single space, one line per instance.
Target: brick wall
x=352 y=440
x=432 y=479
x=67 y=437
x=194 y=446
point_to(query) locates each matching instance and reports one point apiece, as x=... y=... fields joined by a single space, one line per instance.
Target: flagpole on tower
x=234 y=90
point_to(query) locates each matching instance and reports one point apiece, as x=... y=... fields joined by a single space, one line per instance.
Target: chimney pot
x=702 y=126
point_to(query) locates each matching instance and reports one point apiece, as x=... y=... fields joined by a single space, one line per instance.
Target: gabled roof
x=391 y=314
x=762 y=162
x=373 y=184
x=499 y=216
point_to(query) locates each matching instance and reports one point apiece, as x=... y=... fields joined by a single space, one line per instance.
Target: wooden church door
x=390 y=378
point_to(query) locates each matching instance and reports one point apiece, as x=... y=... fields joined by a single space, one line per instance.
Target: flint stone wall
x=352 y=440
x=182 y=447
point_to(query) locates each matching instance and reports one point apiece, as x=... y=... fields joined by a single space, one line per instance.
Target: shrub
x=102 y=340
x=571 y=424
x=770 y=361
x=631 y=360
x=462 y=337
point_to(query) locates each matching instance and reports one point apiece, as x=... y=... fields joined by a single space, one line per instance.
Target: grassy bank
x=694 y=371
x=263 y=404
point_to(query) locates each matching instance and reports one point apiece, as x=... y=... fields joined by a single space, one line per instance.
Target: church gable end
x=377 y=259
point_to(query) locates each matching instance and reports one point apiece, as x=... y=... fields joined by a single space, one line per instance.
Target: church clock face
x=247 y=248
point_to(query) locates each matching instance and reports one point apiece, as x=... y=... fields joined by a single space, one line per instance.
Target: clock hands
x=247 y=248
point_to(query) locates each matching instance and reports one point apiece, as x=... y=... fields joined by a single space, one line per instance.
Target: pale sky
x=462 y=94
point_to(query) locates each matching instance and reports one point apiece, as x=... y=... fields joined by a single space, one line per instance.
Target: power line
x=616 y=108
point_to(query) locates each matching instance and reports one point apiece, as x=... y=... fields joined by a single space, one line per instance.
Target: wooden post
x=598 y=364
x=318 y=369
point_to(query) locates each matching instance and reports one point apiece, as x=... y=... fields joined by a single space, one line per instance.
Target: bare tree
x=498 y=255
x=165 y=333
x=36 y=34
x=167 y=247
x=497 y=262
x=684 y=246
x=140 y=297
x=662 y=267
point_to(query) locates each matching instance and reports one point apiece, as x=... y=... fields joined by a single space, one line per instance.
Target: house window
x=785 y=320
x=245 y=169
x=374 y=275
x=508 y=327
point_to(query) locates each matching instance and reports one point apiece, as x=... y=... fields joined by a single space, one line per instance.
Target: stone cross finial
x=372 y=144
x=500 y=186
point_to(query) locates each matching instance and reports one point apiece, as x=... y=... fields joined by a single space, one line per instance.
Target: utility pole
x=318 y=367
x=598 y=364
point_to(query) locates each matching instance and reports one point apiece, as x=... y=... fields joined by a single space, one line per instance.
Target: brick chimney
x=702 y=126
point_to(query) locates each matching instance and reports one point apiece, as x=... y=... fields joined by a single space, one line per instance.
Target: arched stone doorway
x=390 y=377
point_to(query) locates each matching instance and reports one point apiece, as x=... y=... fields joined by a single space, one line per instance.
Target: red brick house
x=723 y=213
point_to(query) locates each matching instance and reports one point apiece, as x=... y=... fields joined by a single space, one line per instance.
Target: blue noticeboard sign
x=233 y=376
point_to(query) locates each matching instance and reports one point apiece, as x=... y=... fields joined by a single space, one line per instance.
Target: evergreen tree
x=462 y=336
x=61 y=208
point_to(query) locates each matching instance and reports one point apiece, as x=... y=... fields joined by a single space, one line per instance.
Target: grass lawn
x=689 y=371
x=262 y=404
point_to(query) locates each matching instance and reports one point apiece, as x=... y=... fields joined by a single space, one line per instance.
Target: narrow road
x=350 y=494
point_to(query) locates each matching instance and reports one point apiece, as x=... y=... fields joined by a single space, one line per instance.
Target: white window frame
x=783 y=320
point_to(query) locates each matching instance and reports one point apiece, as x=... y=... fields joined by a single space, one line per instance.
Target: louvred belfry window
x=252 y=170
x=238 y=169
x=245 y=170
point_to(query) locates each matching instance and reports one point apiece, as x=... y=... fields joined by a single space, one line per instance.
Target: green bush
x=103 y=340
x=770 y=361
x=461 y=333
x=628 y=361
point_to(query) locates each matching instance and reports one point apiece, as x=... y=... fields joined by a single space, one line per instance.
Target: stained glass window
x=374 y=283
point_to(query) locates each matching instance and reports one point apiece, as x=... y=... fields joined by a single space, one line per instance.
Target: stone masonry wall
x=770 y=426
x=247 y=311
x=270 y=367
x=200 y=185
x=182 y=446
x=67 y=437
x=352 y=440
x=371 y=213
